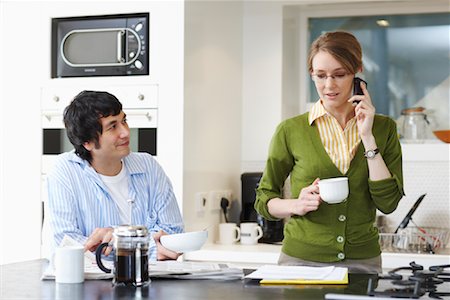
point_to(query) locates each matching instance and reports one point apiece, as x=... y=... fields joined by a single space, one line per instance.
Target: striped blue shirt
x=79 y=201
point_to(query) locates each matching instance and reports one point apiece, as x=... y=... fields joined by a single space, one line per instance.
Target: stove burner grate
x=421 y=282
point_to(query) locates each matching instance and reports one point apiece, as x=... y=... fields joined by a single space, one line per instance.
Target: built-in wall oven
x=139 y=104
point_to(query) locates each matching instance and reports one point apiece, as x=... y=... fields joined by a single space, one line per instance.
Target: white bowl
x=184 y=242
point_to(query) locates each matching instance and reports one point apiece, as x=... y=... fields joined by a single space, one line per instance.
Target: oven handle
x=49 y=114
x=139 y=113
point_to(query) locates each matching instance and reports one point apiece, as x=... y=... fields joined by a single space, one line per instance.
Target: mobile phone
x=357 y=88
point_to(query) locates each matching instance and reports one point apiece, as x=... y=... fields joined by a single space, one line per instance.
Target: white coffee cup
x=229 y=233
x=334 y=190
x=69 y=264
x=250 y=233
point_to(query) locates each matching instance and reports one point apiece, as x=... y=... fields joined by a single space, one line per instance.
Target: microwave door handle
x=120 y=44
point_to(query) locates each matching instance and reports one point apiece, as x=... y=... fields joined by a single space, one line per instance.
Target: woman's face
x=333 y=83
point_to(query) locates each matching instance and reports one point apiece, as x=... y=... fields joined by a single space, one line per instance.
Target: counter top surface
x=22 y=281
x=250 y=256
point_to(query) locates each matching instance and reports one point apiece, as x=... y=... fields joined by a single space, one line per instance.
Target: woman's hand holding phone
x=357 y=90
x=364 y=109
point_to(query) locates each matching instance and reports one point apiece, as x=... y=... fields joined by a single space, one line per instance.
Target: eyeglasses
x=322 y=77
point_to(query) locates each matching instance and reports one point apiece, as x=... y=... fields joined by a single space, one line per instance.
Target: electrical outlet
x=227 y=194
x=201 y=200
x=214 y=201
x=215 y=197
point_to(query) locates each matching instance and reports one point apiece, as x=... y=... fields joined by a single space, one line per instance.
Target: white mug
x=250 y=233
x=229 y=233
x=69 y=264
x=333 y=190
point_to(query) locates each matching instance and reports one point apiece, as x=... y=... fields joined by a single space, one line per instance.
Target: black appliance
x=420 y=282
x=272 y=230
x=408 y=282
x=106 y=45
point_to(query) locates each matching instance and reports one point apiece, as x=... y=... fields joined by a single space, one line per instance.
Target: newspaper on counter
x=193 y=270
x=157 y=269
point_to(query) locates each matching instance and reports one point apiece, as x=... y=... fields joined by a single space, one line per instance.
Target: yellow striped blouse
x=340 y=144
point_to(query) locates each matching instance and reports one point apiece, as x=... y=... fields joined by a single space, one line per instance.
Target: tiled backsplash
x=431 y=178
x=426 y=169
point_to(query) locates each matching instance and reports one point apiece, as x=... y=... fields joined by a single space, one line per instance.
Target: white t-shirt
x=118 y=187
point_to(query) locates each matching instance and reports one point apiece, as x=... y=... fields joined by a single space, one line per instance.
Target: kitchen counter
x=251 y=256
x=22 y=281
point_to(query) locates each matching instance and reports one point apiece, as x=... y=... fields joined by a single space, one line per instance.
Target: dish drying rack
x=415 y=240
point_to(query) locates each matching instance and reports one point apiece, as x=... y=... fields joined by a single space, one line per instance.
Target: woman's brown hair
x=343 y=46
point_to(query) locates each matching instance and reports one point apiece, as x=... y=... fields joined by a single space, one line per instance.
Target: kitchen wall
x=212 y=117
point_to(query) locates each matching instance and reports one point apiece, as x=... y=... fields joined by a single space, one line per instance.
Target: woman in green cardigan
x=340 y=136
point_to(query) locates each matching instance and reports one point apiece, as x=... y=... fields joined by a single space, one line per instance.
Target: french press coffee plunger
x=131 y=244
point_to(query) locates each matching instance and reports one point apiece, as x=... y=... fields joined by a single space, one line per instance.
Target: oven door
x=143 y=134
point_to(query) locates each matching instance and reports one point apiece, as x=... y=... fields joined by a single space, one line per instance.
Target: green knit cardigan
x=334 y=232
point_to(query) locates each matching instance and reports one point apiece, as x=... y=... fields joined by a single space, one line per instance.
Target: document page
x=270 y=274
x=291 y=272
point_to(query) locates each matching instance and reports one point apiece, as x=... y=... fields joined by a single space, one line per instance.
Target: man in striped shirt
x=102 y=183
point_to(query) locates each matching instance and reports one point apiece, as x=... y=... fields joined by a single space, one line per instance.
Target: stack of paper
x=271 y=274
x=193 y=270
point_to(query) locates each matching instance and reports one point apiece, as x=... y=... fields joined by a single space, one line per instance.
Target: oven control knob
x=56 y=98
x=138 y=27
x=141 y=97
x=138 y=64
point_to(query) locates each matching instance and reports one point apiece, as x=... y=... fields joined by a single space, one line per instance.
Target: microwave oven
x=106 y=45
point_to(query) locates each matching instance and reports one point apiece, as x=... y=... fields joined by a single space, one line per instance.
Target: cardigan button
x=342 y=218
x=341 y=255
x=340 y=239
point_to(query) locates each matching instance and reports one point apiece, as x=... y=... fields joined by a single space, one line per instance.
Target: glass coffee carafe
x=131 y=243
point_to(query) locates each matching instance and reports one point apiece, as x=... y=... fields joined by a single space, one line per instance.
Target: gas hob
x=409 y=282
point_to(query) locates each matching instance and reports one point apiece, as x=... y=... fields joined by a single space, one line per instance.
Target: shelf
x=428 y=151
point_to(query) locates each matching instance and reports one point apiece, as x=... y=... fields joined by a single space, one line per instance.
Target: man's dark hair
x=82 y=118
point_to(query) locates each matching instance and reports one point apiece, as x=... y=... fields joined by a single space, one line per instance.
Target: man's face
x=114 y=142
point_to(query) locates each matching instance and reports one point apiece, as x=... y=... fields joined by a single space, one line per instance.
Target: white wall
x=25 y=69
x=213 y=97
x=261 y=84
